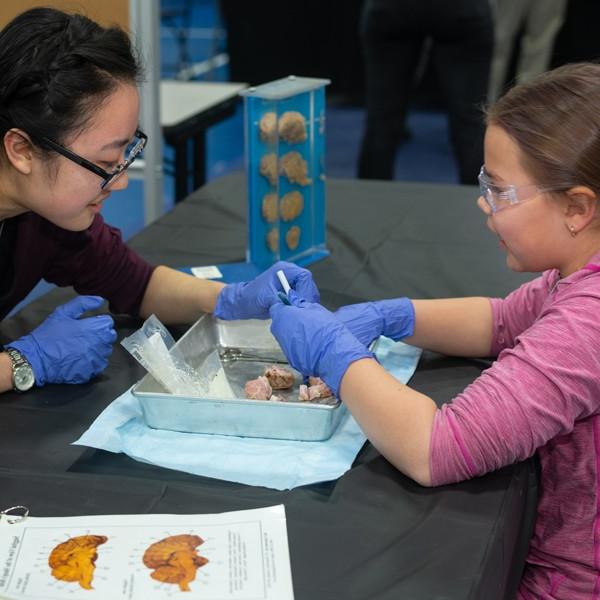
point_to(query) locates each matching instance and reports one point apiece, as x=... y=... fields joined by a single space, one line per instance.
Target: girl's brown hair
x=555 y=120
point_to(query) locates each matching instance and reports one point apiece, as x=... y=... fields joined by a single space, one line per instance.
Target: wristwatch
x=23 y=377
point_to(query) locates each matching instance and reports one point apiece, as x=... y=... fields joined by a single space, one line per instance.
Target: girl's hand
x=314 y=341
x=393 y=318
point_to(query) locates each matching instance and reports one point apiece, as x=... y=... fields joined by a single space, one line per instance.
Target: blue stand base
x=245 y=271
x=311 y=258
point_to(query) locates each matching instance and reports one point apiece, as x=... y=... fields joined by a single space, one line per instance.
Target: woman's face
x=66 y=193
x=530 y=231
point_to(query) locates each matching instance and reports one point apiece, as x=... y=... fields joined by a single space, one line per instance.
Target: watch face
x=24 y=378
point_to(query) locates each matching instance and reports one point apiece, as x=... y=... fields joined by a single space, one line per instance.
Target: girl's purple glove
x=367 y=321
x=314 y=341
x=252 y=299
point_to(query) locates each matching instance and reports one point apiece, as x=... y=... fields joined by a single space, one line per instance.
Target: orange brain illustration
x=174 y=559
x=75 y=559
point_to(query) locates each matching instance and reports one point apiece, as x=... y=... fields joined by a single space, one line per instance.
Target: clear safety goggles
x=499 y=197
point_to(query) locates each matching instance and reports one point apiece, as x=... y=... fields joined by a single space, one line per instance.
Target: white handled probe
x=285 y=285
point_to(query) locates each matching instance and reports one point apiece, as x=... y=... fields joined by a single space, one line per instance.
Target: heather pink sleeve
x=515 y=313
x=534 y=392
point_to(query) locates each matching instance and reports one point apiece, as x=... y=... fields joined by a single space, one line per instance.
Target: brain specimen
x=291 y=205
x=269 y=208
x=268 y=167
x=292 y=237
x=315 y=390
x=291 y=127
x=174 y=559
x=273 y=239
x=294 y=167
x=258 y=389
x=75 y=559
x=268 y=127
x=280 y=378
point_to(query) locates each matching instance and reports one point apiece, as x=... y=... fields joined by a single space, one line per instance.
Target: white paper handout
x=241 y=555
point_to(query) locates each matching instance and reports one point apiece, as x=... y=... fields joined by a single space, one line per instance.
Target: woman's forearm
x=176 y=297
x=5 y=373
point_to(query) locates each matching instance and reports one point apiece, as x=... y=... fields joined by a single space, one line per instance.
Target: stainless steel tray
x=246 y=347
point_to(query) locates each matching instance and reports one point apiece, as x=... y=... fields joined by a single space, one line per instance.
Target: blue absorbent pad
x=233 y=272
x=278 y=464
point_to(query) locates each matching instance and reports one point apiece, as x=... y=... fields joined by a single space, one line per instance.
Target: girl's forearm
x=453 y=326
x=396 y=419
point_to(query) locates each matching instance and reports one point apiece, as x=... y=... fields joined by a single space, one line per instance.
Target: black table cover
x=373 y=533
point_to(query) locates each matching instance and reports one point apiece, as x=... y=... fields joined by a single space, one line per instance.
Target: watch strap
x=17 y=360
x=15 y=355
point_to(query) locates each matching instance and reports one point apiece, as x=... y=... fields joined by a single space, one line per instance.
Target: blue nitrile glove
x=67 y=349
x=314 y=341
x=368 y=320
x=252 y=299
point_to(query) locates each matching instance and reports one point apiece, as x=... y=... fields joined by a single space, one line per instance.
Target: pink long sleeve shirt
x=541 y=394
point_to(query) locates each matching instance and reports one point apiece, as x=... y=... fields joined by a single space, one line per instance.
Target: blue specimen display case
x=284 y=123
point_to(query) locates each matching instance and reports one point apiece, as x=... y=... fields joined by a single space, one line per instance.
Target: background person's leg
x=462 y=53
x=392 y=48
x=542 y=24
x=509 y=17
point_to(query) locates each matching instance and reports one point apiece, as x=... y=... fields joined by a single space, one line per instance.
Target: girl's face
x=531 y=231
x=66 y=193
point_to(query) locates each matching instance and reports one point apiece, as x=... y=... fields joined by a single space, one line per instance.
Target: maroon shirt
x=95 y=261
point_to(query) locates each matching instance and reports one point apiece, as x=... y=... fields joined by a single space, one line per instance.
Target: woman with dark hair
x=540 y=190
x=69 y=108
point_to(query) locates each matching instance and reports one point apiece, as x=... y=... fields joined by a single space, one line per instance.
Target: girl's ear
x=19 y=150
x=581 y=206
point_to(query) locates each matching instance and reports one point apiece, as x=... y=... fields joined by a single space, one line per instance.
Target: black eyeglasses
x=133 y=150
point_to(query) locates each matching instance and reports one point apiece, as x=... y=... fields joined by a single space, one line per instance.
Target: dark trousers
x=393 y=33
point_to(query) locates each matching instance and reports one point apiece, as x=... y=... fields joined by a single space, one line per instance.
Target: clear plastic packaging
x=155 y=349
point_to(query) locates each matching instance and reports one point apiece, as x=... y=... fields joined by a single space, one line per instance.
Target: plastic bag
x=154 y=348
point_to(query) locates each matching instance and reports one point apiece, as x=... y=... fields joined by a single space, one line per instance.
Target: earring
x=571 y=229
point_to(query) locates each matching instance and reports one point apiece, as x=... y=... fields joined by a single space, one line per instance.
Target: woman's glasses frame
x=108 y=177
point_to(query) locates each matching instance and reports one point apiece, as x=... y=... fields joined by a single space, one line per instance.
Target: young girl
x=539 y=190
x=69 y=110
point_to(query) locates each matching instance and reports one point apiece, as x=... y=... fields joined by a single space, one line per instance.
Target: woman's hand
x=67 y=349
x=252 y=299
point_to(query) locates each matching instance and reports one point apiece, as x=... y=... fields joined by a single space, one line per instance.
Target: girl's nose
x=484 y=206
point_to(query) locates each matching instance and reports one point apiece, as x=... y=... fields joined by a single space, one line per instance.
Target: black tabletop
x=373 y=533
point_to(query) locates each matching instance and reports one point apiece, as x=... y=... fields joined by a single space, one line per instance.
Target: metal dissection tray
x=246 y=348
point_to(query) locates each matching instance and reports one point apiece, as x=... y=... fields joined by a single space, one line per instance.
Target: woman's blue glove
x=67 y=349
x=252 y=299
x=314 y=341
x=367 y=321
